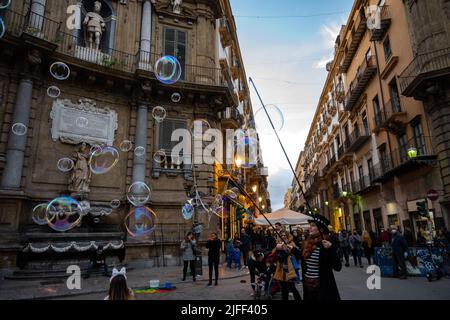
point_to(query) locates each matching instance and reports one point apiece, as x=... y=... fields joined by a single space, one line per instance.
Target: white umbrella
x=283 y=216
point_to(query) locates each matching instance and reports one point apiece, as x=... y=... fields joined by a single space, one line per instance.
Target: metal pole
x=284 y=151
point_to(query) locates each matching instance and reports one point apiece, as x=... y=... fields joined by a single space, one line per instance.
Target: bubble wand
x=284 y=151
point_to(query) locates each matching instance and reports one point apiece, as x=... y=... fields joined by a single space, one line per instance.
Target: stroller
x=266 y=286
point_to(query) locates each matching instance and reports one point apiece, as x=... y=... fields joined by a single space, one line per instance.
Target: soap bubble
x=115 y=203
x=140 y=222
x=19 y=129
x=176 y=97
x=230 y=194
x=103 y=160
x=60 y=71
x=262 y=122
x=187 y=211
x=168 y=69
x=139 y=151
x=160 y=156
x=64 y=213
x=139 y=193
x=39 y=214
x=53 y=92
x=4 y=4
x=95 y=148
x=159 y=114
x=126 y=145
x=2 y=28
x=65 y=164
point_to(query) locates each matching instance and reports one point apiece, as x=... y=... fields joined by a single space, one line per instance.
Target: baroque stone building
x=111 y=48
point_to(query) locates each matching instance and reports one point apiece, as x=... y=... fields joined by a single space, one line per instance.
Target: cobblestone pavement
x=351 y=283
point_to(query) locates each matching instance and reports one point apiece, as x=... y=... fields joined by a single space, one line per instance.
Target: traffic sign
x=432 y=194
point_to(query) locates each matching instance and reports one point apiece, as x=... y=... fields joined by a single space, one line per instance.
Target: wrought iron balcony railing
x=424 y=66
x=40 y=28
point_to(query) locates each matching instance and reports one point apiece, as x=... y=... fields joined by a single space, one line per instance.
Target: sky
x=286 y=57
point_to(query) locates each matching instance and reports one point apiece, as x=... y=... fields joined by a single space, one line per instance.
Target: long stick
x=245 y=193
x=284 y=151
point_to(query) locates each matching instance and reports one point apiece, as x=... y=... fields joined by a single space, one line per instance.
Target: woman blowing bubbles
x=319 y=259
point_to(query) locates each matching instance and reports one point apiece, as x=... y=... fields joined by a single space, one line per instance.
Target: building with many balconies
x=370 y=154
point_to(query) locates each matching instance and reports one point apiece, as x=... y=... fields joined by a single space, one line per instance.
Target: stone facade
x=118 y=77
x=356 y=163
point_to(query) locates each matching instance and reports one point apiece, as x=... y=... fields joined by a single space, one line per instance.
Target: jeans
x=357 y=255
x=191 y=266
x=398 y=260
x=93 y=264
x=245 y=256
x=343 y=253
x=287 y=286
x=213 y=263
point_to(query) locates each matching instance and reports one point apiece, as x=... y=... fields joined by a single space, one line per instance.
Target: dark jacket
x=270 y=243
x=214 y=249
x=328 y=261
x=245 y=242
x=399 y=245
x=255 y=267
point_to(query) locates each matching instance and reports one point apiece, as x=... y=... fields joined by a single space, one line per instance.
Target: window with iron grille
x=419 y=139
x=166 y=128
x=387 y=49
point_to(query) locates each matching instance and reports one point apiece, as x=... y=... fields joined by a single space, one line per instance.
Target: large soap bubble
x=168 y=69
x=140 y=222
x=103 y=159
x=139 y=193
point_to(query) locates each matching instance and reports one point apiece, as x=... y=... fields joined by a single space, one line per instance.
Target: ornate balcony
x=366 y=72
x=424 y=67
x=385 y=16
x=417 y=153
x=354 y=40
x=356 y=140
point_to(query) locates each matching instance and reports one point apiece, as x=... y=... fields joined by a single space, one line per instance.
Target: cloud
x=277 y=187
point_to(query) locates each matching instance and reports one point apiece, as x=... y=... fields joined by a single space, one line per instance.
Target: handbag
x=311 y=284
x=195 y=251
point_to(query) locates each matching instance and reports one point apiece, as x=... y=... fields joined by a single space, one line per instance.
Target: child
x=118 y=288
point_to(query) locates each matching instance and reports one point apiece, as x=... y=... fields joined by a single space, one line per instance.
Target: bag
x=294 y=263
x=195 y=251
x=311 y=284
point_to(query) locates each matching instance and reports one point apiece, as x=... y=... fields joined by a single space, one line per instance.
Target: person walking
x=367 y=246
x=319 y=259
x=399 y=253
x=213 y=245
x=344 y=247
x=270 y=241
x=384 y=238
x=245 y=243
x=297 y=239
x=285 y=271
x=118 y=288
x=188 y=247
x=356 y=247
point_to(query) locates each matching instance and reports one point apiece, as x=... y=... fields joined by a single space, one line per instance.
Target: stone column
x=112 y=34
x=37 y=14
x=146 y=36
x=139 y=167
x=15 y=153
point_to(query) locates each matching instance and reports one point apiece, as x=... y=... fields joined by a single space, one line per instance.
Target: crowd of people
x=288 y=257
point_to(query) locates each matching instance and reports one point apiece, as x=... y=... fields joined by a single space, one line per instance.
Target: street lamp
x=254 y=188
x=412 y=153
x=260 y=199
x=344 y=193
x=238 y=162
x=326 y=203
